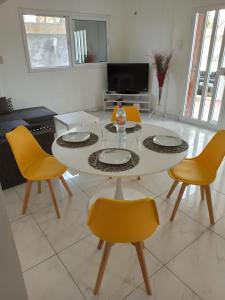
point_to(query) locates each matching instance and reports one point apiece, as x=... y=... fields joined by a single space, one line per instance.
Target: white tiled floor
x=185 y=258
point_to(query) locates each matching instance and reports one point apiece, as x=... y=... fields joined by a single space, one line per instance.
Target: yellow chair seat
x=192 y=171
x=44 y=169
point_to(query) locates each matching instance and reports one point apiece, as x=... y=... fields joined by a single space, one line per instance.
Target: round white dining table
x=151 y=162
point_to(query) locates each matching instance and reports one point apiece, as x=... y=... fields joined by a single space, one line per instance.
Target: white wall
x=61 y=91
x=163 y=25
x=159 y=25
x=149 y=29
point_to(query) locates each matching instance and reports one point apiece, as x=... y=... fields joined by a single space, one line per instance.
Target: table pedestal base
x=118 y=194
x=119 y=190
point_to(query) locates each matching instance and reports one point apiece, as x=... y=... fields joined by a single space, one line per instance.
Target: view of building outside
x=47 y=41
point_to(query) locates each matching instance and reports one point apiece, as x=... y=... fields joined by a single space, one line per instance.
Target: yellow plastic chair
x=132 y=113
x=123 y=221
x=35 y=164
x=200 y=170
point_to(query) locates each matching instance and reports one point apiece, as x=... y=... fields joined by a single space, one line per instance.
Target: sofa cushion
x=10 y=125
x=31 y=115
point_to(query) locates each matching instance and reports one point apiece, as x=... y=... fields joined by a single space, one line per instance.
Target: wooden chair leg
x=39 y=187
x=53 y=198
x=141 y=258
x=202 y=193
x=65 y=185
x=209 y=204
x=174 y=185
x=27 y=196
x=100 y=244
x=180 y=195
x=102 y=267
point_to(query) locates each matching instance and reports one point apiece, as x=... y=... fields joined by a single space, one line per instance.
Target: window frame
x=73 y=17
x=69 y=17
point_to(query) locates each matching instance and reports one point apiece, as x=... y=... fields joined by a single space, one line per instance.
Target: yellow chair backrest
x=123 y=221
x=25 y=148
x=214 y=152
x=133 y=114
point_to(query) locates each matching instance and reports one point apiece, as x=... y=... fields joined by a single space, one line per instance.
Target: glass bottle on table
x=121 y=125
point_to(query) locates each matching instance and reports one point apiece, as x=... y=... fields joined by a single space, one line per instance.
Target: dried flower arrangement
x=161 y=63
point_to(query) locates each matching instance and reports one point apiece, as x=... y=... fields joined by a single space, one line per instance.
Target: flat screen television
x=128 y=78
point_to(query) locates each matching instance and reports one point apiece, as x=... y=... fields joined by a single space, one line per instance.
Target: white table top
x=150 y=162
x=76 y=117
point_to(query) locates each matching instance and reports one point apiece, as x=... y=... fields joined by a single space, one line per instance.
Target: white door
x=206 y=82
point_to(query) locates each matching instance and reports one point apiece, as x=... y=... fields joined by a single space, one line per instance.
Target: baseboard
x=172 y=117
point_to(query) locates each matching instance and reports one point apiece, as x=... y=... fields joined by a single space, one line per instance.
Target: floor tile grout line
x=39 y=263
x=159 y=260
x=56 y=254
x=74 y=243
x=46 y=237
x=140 y=284
x=181 y=280
x=132 y=290
x=187 y=246
x=222 y=237
x=74 y=281
x=157 y=196
x=172 y=258
x=95 y=186
x=147 y=189
x=164 y=265
x=217 y=191
x=42 y=231
x=190 y=217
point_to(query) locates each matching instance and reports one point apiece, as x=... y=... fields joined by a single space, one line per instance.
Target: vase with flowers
x=161 y=62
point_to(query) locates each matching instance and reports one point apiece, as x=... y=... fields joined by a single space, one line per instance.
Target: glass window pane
x=214 y=65
x=90 y=41
x=47 y=41
x=194 y=63
x=203 y=62
x=218 y=99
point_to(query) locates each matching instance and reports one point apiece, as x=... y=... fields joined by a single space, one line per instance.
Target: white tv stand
x=142 y=100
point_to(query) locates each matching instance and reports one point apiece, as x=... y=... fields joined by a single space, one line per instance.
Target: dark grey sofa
x=39 y=120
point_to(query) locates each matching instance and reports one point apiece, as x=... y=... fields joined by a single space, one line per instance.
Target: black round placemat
x=111 y=127
x=149 y=144
x=95 y=163
x=91 y=141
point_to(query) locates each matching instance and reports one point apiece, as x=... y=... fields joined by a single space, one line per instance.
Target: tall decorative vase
x=161 y=63
x=160 y=95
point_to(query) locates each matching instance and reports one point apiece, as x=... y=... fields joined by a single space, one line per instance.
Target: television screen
x=128 y=78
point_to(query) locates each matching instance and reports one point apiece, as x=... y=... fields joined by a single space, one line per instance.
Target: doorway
x=206 y=82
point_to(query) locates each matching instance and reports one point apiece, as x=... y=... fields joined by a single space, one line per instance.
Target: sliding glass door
x=206 y=83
